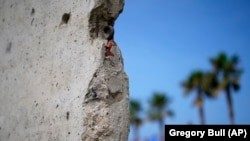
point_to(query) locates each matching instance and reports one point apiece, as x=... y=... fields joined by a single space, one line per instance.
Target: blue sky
x=162 y=41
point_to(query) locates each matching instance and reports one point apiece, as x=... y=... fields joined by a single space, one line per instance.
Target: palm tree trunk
x=230 y=104
x=201 y=113
x=136 y=133
x=161 y=124
x=201 y=108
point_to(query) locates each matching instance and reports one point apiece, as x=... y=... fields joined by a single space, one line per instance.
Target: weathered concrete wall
x=55 y=82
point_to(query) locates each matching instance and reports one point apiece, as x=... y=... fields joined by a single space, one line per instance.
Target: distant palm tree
x=135 y=120
x=158 y=111
x=228 y=75
x=203 y=84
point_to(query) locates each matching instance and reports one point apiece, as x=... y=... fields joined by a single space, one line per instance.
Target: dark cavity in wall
x=100 y=18
x=8 y=48
x=67 y=115
x=32 y=12
x=65 y=18
x=108 y=32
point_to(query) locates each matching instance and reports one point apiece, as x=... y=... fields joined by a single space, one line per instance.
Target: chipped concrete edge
x=105 y=105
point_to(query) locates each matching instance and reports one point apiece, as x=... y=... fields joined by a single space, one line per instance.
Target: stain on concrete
x=32 y=21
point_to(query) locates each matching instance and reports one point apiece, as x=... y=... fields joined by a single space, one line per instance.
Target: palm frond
x=236 y=84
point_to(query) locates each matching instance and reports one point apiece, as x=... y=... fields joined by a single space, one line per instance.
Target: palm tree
x=228 y=75
x=203 y=84
x=158 y=111
x=135 y=120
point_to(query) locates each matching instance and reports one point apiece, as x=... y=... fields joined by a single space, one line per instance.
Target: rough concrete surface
x=56 y=84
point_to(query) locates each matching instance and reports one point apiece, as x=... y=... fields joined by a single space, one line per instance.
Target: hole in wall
x=99 y=18
x=106 y=29
x=32 y=12
x=8 y=48
x=67 y=115
x=65 y=18
x=108 y=32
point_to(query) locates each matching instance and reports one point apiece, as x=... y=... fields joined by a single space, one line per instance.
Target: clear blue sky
x=162 y=41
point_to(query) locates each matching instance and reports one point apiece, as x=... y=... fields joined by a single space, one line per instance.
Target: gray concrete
x=55 y=82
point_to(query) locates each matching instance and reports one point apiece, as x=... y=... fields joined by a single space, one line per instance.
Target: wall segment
x=51 y=58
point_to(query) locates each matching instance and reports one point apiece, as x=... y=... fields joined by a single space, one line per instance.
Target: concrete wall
x=51 y=61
